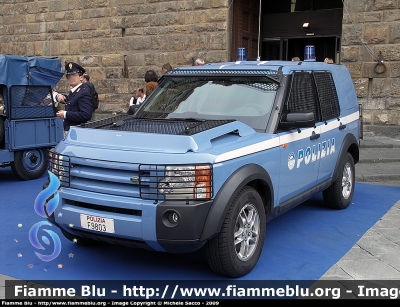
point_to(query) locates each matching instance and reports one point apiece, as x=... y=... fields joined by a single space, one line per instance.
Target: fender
x=239 y=179
x=349 y=145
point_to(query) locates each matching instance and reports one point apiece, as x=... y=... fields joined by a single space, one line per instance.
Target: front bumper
x=182 y=236
x=137 y=222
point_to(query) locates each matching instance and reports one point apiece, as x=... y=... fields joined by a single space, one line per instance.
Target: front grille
x=105 y=177
x=144 y=181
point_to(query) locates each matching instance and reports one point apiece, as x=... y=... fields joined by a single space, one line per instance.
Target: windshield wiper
x=188 y=119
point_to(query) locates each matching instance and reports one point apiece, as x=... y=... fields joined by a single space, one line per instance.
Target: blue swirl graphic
x=33 y=238
x=40 y=200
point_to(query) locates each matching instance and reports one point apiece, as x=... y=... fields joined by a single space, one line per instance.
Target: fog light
x=173 y=218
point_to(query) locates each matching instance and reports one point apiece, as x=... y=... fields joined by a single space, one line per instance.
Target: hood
x=166 y=141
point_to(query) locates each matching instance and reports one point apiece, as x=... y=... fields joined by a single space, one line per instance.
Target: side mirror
x=298 y=120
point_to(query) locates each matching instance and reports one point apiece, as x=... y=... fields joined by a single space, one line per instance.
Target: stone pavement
x=376 y=255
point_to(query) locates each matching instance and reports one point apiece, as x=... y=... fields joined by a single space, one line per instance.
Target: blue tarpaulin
x=29 y=70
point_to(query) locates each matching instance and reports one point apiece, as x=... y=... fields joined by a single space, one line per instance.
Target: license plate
x=96 y=223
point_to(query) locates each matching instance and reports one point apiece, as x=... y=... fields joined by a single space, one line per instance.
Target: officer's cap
x=73 y=68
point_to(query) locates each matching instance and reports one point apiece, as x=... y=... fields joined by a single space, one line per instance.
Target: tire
x=2 y=134
x=339 y=194
x=228 y=253
x=77 y=239
x=30 y=164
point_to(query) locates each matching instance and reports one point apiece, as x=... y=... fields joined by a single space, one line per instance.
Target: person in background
x=199 y=62
x=296 y=59
x=166 y=67
x=133 y=99
x=78 y=103
x=92 y=89
x=136 y=100
x=151 y=80
x=140 y=95
x=86 y=79
x=329 y=61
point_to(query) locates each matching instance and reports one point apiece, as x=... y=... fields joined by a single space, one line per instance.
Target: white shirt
x=72 y=90
x=138 y=101
x=76 y=87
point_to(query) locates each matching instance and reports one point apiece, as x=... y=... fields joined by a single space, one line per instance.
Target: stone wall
x=116 y=40
x=371 y=51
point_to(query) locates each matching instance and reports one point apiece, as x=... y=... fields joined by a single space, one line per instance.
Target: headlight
x=59 y=165
x=186 y=182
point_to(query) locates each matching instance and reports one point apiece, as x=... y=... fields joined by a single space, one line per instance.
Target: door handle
x=315 y=136
x=341 y=127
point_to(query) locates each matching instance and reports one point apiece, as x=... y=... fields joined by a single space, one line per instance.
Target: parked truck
x=28 y=124
x=212 y=154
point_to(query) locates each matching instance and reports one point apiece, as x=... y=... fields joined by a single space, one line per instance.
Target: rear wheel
x=339 y=194
x=30 y=164
x=234 y=252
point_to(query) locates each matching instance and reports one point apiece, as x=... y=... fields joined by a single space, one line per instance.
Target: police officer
x=78 y=103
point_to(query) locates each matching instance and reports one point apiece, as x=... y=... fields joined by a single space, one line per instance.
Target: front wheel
x=339 y=194
x=30 y=164
x=234 y=252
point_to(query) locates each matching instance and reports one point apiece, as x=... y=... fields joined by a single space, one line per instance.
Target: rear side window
x=328 y=98
x=315 y=92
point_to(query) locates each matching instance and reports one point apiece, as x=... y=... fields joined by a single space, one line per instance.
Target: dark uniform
x=79 y=103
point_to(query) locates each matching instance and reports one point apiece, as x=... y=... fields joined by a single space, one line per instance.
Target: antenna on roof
x=259 y=33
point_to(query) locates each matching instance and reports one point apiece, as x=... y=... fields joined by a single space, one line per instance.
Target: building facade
x=117 y=41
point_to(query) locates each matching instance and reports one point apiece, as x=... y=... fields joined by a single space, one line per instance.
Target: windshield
x=248 y=100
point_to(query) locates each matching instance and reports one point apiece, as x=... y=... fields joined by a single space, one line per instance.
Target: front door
x=299 y=165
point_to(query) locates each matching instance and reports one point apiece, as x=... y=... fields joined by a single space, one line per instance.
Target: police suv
x=213 y=154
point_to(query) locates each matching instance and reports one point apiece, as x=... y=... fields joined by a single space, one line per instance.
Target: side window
x=328 y=98
x=303 y=95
